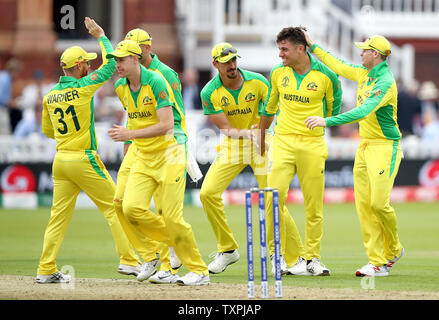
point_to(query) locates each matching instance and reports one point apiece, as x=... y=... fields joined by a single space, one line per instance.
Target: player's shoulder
x=120 y=82
x=210 y=87
x=277 y=69
x=324 y=69
x=149 y=77
x=251 y=75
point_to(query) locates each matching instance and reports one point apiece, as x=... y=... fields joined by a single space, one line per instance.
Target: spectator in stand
x=409 y=108
x=429 y=95
x=191 y=91
x=30 y=102
x=8 y=106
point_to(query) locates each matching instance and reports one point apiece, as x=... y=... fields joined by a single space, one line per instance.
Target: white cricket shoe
x=148 y=269
x=370 y=270
x=283 y=265
x=162 y=277
x=299 y=268
x=174 y=260
x=193 y=279
x=129 y=270
x=56 y=277
x=317 y=268
x=390 y=264
x=222 y=260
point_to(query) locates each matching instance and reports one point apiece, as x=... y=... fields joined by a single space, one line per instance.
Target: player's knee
x=378 y=206
x=205 y=195
x=130 y=210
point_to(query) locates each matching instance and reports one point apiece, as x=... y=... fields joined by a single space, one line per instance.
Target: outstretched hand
x=119 y=133
x=314 y=121
x=93 y=28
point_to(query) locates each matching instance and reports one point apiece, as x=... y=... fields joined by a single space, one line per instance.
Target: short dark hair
x=292 y=34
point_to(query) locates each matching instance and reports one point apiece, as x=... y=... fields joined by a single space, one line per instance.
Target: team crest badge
x=147 y=100
x=312 y=86
x=250 y=97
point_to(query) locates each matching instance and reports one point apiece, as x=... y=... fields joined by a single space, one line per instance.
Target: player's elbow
x=168 y=127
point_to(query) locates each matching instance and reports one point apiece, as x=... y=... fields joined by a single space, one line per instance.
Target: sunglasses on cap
x=147 y=39
x=380 y=51
x=225 y=52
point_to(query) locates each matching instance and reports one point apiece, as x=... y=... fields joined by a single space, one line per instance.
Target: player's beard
x=232 y=75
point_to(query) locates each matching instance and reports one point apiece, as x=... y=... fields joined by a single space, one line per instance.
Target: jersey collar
x=378 y=69
x=67 y=79
x=155 y=62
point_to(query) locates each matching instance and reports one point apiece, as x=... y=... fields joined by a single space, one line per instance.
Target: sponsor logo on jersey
x=163 y=95
x=93 y=76
x=312 y=86
x=250 y=97
x=62 y=97
x=296 y=98
x=175 y=85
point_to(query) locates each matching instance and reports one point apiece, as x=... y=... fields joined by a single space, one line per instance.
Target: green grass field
x=89 y=247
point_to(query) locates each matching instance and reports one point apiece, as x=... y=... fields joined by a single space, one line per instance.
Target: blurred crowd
x=20 y=116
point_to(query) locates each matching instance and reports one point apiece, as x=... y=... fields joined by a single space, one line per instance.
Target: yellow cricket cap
x=74 y=55
x=126 y=48
x=223 y=52
x=377 y=43
x=139 y=35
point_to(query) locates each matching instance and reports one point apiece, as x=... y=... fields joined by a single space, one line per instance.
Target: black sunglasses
x=225 y=52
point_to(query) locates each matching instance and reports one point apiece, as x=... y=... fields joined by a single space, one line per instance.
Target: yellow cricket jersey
x=243 y=106
x=141 y=107
x=297 y=97
x=68 y=107
x=377 y=93
x=174 y=89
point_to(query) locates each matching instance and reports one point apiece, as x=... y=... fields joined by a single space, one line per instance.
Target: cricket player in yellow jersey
x=300 y=86
x=233 y=100
x=159 y=164
x=68 y=118
x=150 y=248
x=379 y=153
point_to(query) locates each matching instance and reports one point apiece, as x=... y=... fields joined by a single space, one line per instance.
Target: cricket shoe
x=193 y=279
x=283 y=265
x=56 y=277
x=174 y=260
x=164 y=277
x=148 y=269
x=222 y=260
x=369 y=270
x=390 y=264
x=299 y=268
x=129 y=270
x=317 y=268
